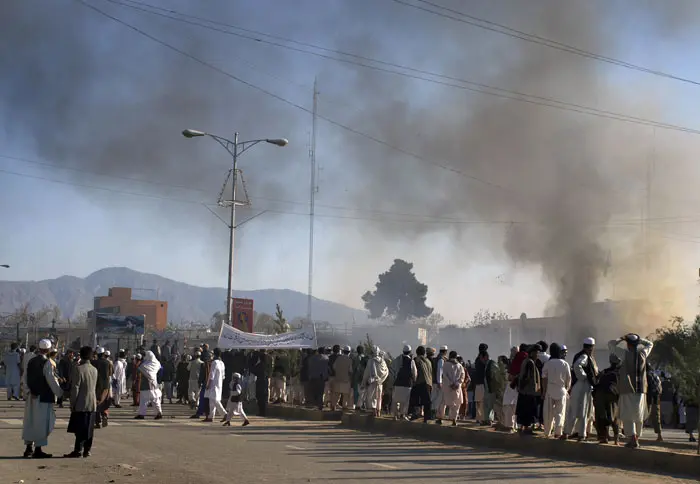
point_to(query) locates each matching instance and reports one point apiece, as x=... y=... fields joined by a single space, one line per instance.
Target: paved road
x=180 y=451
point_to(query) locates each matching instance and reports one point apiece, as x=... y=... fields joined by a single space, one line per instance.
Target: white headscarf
x=150 y=366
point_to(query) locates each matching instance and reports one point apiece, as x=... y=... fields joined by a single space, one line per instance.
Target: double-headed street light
x=235 y=148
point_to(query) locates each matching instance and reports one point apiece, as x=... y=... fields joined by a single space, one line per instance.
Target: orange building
x=118 y=302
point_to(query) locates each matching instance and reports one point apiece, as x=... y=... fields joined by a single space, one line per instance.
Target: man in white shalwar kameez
x=437 y=401
x=453 y=375
x=149 y=389
x=632 y=383
x=119 y=377
x=376 y=373
x=581 y=402
x=39 y=414
x=12 y=365
x=215 y=387
x=556 y=381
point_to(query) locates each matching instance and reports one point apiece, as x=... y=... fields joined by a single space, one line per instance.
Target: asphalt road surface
x=177 y=450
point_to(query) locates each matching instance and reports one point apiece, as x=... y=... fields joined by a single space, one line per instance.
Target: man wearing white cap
x=342 y=377
x=585 y=375
x=406 y=375
x=235 y=403
x=105 y=370
x=39 y=415
x=632 y=383
x=437 y=400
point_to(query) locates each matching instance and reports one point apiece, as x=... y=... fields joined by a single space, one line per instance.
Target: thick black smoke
x=91 y=93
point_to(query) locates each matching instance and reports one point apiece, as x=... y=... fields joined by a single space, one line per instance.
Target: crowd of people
x=91 y=383
x=531 y=390
x=534 y=389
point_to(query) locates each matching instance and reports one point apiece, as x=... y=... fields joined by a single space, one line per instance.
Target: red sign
x=242 y=317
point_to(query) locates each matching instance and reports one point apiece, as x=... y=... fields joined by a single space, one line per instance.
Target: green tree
x=398 y=294
x=280 y=321
x=677 y=350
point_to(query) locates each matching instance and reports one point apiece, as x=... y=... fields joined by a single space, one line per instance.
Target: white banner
x=232 y=338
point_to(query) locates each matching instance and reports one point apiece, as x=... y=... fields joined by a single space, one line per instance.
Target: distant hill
x=185 y=303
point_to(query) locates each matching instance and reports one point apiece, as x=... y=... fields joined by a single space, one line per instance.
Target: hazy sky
x=90 y=106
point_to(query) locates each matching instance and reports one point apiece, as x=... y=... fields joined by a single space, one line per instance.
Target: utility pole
x=232 y=230
x=312 y=205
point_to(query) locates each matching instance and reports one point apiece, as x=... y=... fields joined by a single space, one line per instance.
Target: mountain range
x=186 y=303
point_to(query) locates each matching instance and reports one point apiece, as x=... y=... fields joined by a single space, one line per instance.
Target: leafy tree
x=398 y=294
x=280 y=321
x=483 y=317
x=677 y=351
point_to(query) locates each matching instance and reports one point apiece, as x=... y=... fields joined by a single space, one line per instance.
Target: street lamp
x=235 y=148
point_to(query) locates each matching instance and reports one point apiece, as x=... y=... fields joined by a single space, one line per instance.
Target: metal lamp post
x=235 y=148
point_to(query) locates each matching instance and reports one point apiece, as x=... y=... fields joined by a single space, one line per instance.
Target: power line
x=57 y=166
x=345 y=127
x=476 y=87
x=283 y=99
x=302 y=108
x=536 y=39
x=185 y=187
x=406 y=218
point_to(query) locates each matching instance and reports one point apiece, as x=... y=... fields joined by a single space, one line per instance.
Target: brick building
x=118 y=301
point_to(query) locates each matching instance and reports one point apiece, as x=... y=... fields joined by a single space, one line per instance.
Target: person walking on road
x=12 y=361
x=149 y=391
x=235 y=404
x=194 y=368
x=39 y=414
x=83 y=404
x=215 y=386
x=119 y=379
x=105 y=370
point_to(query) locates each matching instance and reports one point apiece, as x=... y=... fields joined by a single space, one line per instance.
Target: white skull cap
x=100 y=350
x=407 y=348
x=45 y=344
x=589 y=341
x=347 y=348
x=444 y=348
